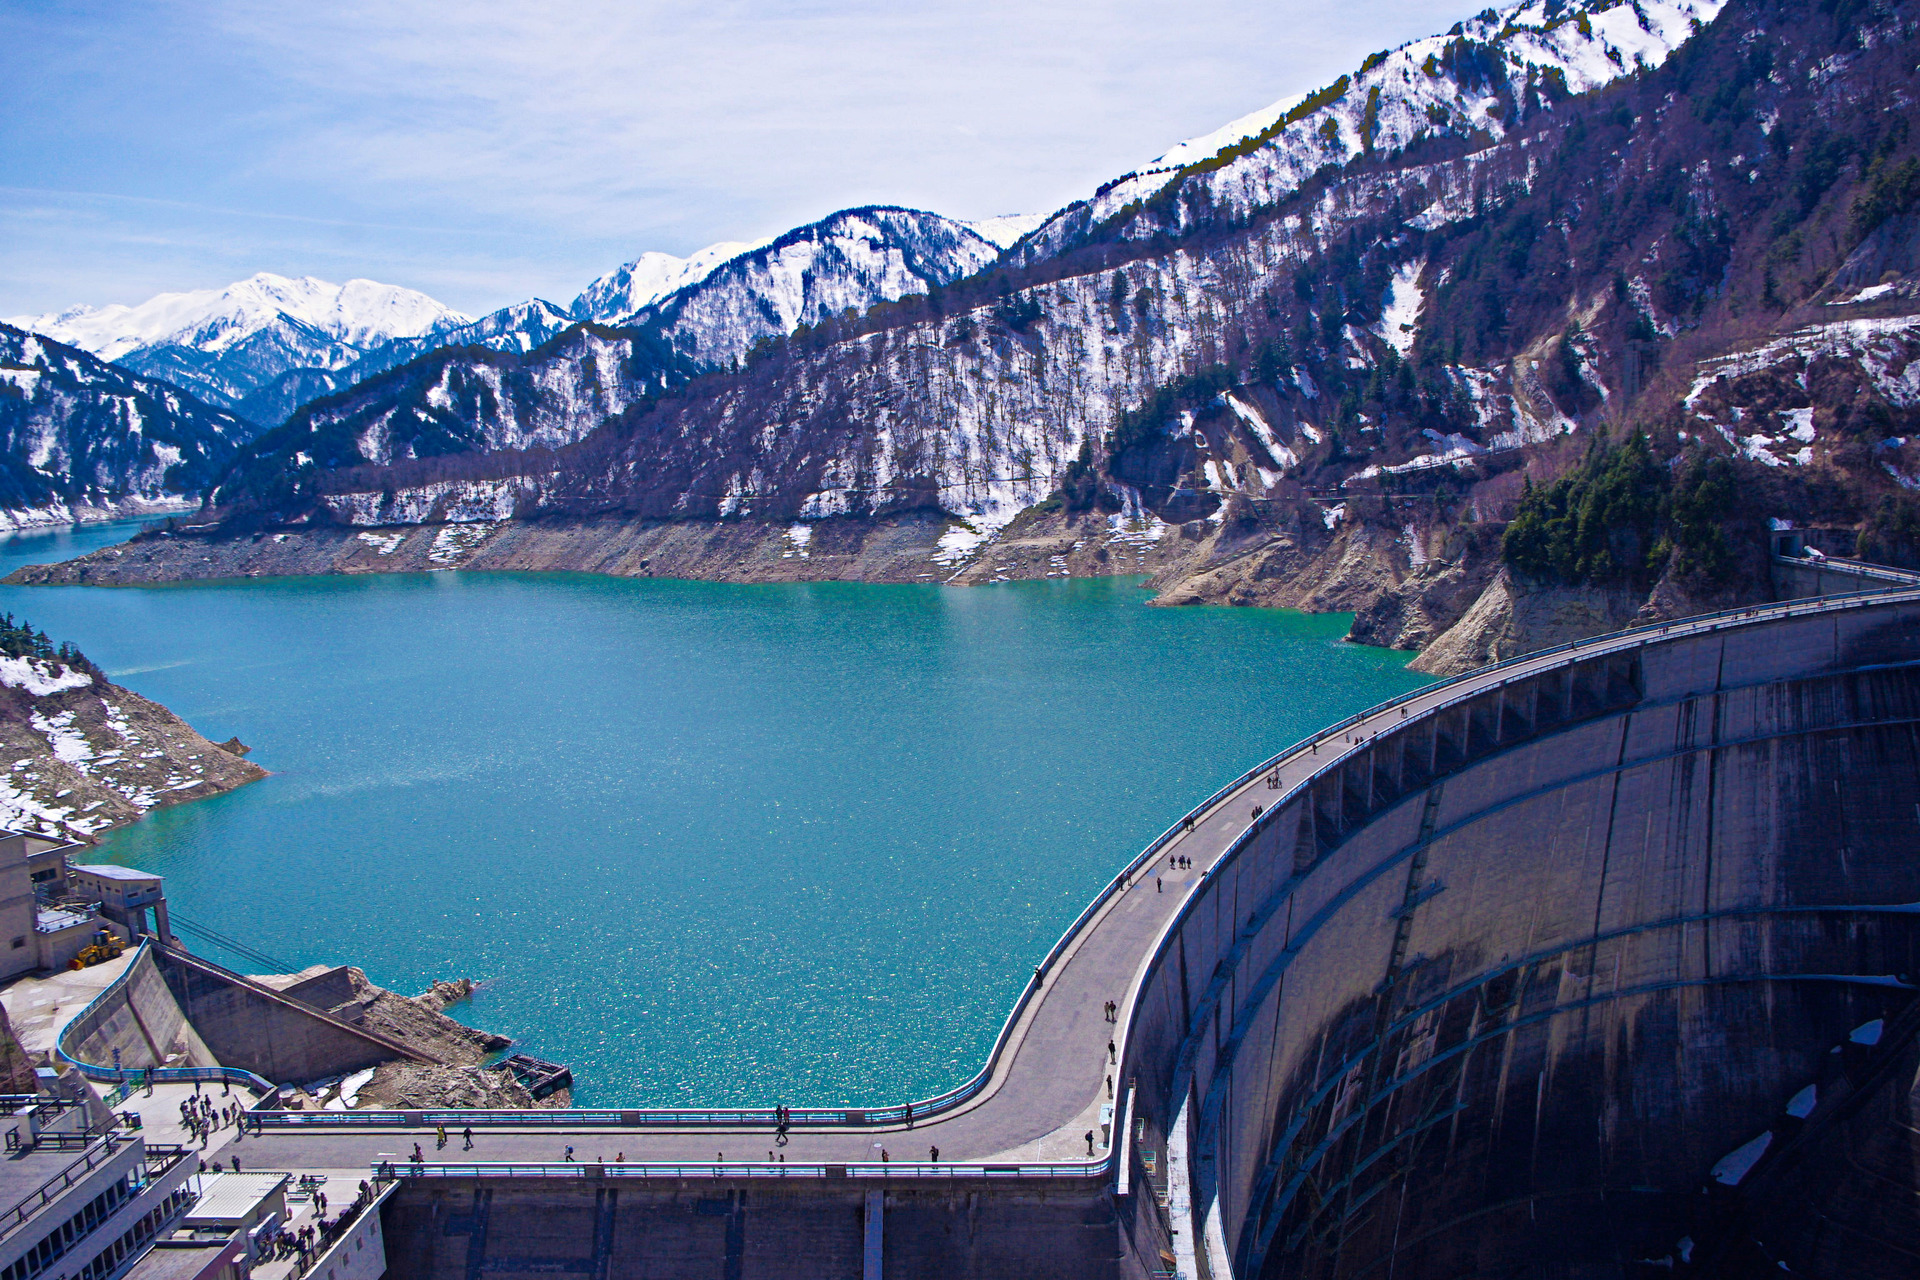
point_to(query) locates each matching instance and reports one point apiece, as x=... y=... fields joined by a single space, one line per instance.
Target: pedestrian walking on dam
x=440 y=1137
x=466 y=1135
x=420 y=1157
x=1089 y=1142
x=933 y=1155
x=569 y=1155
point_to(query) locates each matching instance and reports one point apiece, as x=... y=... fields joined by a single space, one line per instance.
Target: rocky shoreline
x=462 y=1075
x=83 y=755
x=1441 y=590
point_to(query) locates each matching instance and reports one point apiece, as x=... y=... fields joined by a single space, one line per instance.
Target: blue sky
x=488 y=151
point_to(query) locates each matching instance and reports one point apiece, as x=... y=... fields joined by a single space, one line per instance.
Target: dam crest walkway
x=1051 y=1079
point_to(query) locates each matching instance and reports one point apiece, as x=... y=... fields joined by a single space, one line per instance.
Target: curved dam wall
x=1540 y=979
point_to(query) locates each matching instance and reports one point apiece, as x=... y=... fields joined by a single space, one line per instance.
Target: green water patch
x=706 y=843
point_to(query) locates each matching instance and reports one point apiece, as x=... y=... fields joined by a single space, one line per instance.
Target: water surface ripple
x=708 y=844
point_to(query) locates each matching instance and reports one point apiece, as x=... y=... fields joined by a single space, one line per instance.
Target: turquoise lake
x=707 y=844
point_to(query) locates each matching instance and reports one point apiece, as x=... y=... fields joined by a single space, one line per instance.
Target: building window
x=19 y=943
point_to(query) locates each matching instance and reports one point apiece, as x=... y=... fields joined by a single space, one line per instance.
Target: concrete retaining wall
x=1502 y=987
x=139 y=1017
x=260 y=1030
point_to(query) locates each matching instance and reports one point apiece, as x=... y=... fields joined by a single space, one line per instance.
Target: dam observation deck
x=1394 y=1016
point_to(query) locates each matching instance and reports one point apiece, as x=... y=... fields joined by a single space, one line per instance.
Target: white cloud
x=489 y=149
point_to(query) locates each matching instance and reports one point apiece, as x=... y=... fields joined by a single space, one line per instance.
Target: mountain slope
x=86 y=755
x=1349 y=397
x=83 y=438
x=652 y=276
x=518 y=328
x=1478 y=82
x=226 y=344
x=507 y=396
x=852 y=260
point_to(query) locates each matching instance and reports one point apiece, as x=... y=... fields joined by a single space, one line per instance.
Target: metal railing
x=47 y=1192
x=975 y=1170
x=1854 y=568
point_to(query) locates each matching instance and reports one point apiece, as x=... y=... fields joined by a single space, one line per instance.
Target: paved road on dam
x=1049 y=1087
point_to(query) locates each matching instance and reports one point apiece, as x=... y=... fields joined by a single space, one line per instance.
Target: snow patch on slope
x=651 y=277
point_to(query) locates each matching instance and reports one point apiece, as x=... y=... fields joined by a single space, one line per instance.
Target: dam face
x=1605 y=965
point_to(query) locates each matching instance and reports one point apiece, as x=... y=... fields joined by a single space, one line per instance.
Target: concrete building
x=50 y=910
x=46 y=917
x=125 y=896
x=194 y=1255
x=77 y=1204
x=250 y=1205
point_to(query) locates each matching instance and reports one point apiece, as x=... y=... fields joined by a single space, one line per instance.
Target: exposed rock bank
x=463 y=1077
x=1411 y=583
x=79 y=755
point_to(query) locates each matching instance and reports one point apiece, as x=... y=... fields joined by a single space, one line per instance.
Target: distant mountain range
x=82 y=438
x=266 y=345
x=224 y=345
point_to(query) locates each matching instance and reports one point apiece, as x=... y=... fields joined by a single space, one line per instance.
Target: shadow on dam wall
x=1537 y=984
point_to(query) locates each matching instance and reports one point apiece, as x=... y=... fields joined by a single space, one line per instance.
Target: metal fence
x=1082 y=1170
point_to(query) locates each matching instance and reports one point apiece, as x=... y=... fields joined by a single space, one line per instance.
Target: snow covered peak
x=360 y=313
x=1005 y=229
x=1466 y=81
x=651 y=277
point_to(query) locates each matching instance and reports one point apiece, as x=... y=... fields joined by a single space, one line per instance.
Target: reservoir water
x=708 y=844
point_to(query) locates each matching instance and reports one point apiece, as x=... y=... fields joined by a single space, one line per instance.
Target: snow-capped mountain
x=850 y=260
x=224 y=344
x=651 y=277
x=1464 y=83
x=518 y=328
x=456 y=399
x=1006 y=229
x=81 y=438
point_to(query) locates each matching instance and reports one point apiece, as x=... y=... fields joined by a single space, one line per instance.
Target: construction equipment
x=105 y=946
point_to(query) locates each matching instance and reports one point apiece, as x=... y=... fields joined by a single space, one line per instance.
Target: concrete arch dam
x=1598 y=963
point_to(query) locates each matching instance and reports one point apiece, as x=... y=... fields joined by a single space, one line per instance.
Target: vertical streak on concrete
x=1186 y=1243
x=607 y=1201
x=736 y=1259
x=870 y=1266
x=1606 y=862
x=477 y=1233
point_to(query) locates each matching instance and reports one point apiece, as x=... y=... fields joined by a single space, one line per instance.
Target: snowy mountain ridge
x=849 y=260
x=652 y=276
x=226 y=344
x=1449 y=83
x=84 y=439
x=360 y=313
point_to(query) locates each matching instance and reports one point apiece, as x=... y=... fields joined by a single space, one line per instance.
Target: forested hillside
x=80 y=437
